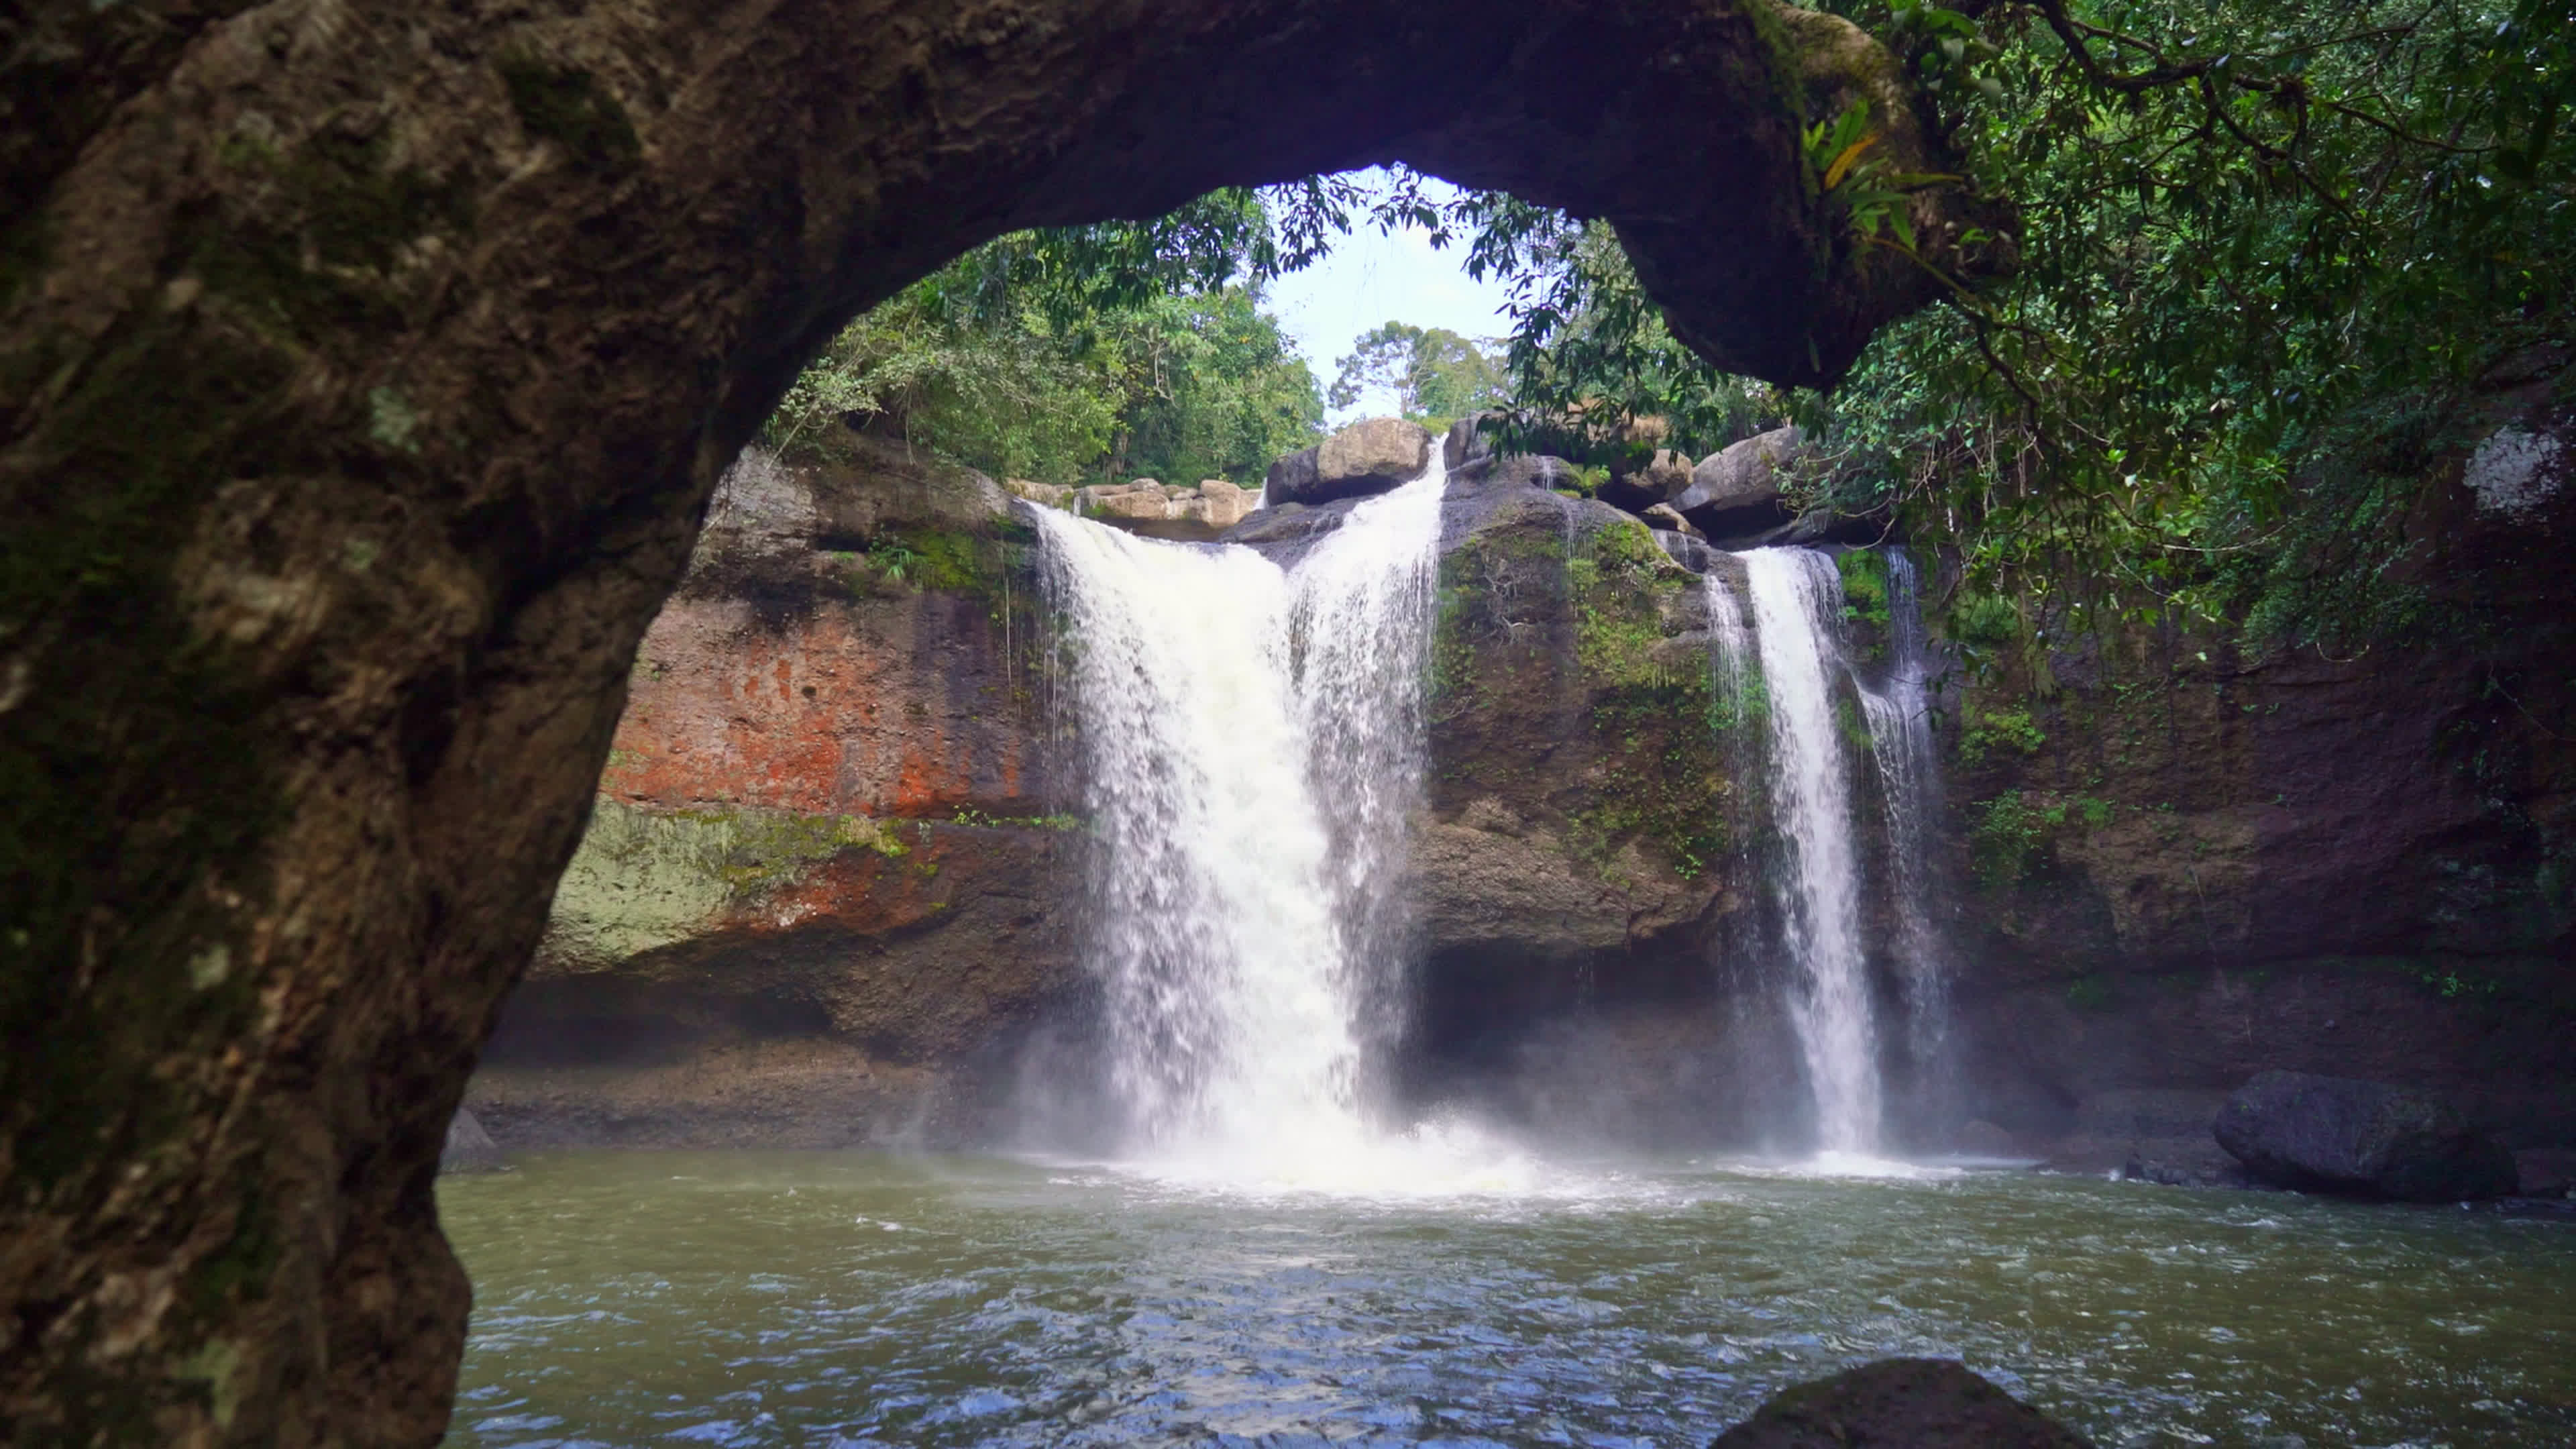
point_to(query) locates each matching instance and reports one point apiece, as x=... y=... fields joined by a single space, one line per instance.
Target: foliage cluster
x=1613 y=578
x=2263 y=246
x=1082 y=355
x=1993 y=732
x=1864 y=576
x=2010 y=832
x=2265 y=250
x=1436 y=375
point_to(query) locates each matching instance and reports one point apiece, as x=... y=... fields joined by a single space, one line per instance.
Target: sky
x=1371 y=279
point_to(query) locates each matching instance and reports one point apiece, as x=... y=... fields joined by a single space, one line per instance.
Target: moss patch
x=646 y=879
x=1999 y=732
x=1661 y=771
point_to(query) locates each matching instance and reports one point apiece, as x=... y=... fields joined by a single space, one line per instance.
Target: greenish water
x=860 y=1299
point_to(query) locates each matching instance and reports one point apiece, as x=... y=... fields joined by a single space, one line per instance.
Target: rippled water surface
x=756 y=1299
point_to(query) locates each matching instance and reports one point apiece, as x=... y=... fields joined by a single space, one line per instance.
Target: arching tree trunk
x=364 y=368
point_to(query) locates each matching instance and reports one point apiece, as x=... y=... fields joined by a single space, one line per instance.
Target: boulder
x=1291 y=480
x=1045 y=495
x=1737 y=490
x=1284 y=529
x=1151 y=507
x=1742 y=474
x=469 y=1148
x=2341 y=1134
x=1222 y=505
x=1663 y=518
x=1376 y=456
x=1664 y=477
x=1899 y=1403
x=767 y=517
x=882 y=485
x=1143 y=500
x=1469 y=447
x=2546 y=1171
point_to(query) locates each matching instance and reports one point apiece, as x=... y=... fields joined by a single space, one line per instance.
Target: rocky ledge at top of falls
x=1149 y=507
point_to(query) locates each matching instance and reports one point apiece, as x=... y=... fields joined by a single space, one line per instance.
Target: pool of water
x=863 y=1299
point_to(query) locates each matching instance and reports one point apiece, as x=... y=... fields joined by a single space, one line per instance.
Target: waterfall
x=1796 y=597
x=1361 y=637
x=1252 y=748
x=1900 y=742
x=1731 y=636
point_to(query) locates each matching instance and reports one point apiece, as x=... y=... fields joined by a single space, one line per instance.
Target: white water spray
x=1253 y=746
x=1796 y=600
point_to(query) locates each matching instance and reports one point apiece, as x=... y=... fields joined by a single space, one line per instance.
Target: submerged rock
x=1376 y=456
x=1899 y=1403
x=469 y=1148
x=2341 y=1134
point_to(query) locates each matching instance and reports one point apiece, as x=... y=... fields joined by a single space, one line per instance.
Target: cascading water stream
x=1360 y=635
x=1252 y=742
x=1796 y=597
x=1900 y=742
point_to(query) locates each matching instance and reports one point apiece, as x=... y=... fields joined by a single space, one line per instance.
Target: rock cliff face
x=820 y=896
x=2162 y=873
x=1581 y=863
x=2182 y=864
x=825 y=892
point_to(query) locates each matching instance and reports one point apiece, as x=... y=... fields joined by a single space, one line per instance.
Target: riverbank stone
x=469 y=1148
x=2368 y=1139
x=1899 y=1403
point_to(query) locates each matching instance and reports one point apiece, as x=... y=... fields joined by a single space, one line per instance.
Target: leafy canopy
x=1079 y=355
x=1433 y=372
x=2264 y=246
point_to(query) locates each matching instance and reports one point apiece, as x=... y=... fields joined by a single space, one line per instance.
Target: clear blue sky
x=1372 y=279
